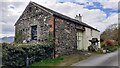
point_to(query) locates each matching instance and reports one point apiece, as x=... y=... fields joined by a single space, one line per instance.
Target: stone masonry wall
x=33 y=15
x=65 y=37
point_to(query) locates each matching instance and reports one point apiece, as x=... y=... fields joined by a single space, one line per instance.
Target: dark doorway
x=34 y=32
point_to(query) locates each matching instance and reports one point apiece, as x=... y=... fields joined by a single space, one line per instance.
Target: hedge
x=15 y=56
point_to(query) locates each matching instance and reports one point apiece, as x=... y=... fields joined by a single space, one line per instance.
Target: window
x=34 y=32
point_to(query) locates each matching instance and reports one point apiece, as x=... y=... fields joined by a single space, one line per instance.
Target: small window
x=34 y=32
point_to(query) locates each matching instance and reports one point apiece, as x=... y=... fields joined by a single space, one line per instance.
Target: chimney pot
x=78 y=17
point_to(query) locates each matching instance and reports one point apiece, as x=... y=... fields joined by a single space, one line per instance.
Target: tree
x=111 y=32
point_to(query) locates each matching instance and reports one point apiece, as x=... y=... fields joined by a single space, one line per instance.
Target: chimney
x=78 y=17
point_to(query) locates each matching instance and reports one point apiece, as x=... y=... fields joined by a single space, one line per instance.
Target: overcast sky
x=97 y=13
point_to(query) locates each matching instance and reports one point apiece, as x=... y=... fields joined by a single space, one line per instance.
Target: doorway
x=80 y=40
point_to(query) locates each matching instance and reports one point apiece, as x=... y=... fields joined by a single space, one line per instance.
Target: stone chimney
x=78 y=17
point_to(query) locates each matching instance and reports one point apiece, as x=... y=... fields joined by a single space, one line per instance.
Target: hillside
x=111 y=32
x=7 y=39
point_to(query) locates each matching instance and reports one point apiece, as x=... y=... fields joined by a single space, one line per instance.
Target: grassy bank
x=114 y=48
x=47 y=62
x=60 y=61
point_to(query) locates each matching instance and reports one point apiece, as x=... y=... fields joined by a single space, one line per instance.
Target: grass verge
x=47 y=62
x=114 y=48
x=60 y=61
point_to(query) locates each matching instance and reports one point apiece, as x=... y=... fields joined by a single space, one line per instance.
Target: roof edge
x=59 y=15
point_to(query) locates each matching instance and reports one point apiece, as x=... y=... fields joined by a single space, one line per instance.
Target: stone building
x=38 y=24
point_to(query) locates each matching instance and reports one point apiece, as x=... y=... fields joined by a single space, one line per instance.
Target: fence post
x=27 y=62
x=26 y=57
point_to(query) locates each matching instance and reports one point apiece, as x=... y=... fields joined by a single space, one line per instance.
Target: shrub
x=110 y=42
x=102 y=44
x=114 y=48
x=15 y=56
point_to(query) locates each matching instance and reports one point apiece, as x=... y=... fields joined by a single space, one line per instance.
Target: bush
x=102 y=44
x=15 y=56
x=110 y=42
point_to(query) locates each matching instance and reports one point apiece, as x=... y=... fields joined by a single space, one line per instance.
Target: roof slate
x=63 y=16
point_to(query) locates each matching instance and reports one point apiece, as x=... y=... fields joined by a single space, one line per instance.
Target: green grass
x=47 y=62
x=60 y=61
x=114 y=48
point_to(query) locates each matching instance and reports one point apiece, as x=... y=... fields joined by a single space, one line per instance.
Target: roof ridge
x=63 y=16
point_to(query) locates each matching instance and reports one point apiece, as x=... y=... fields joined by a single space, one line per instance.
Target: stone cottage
x=38 y=24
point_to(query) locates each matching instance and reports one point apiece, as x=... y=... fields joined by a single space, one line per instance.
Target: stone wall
x=33 y=15
x=65 y=36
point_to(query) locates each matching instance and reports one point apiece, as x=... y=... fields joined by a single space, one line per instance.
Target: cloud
x=112 y=19
x=113 y=5
x=12 y=9
x=9 y=13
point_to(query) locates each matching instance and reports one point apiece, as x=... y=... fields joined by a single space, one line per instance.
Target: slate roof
x=63 y=16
